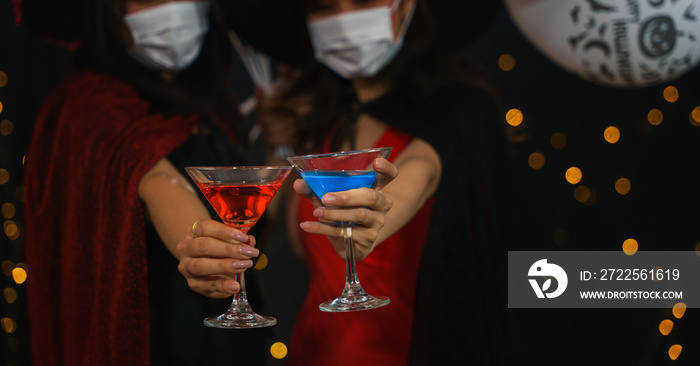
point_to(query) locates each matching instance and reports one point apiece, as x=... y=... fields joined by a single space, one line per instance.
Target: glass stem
x=352 y=283
x=239 y=304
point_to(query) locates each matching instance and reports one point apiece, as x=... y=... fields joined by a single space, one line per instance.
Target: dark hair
x=199 y=89
x=424 y=64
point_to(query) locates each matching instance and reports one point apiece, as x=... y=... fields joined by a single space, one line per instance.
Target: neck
x=369 y=89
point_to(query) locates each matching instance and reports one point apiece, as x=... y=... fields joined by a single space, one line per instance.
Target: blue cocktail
x=324 y=181
x=337 y=172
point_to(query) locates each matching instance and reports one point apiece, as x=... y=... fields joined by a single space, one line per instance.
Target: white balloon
x=622 y=43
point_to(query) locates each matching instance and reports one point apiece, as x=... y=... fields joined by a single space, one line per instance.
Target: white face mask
x=170 y=36
x=358 y=43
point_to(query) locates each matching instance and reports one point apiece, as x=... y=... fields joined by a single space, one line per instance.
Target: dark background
x=660 y=212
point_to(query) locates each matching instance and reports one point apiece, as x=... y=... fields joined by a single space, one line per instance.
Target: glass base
x=240 y=321
x=354 y=303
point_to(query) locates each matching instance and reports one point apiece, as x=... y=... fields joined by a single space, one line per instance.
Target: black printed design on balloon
x=605 y=45
x=597 y=6
x=657 y=36
x=688 y=13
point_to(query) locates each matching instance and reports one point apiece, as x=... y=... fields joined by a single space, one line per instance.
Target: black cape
x=461 y=292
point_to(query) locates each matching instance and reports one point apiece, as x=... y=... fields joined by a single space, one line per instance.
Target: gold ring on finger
x=194 y=226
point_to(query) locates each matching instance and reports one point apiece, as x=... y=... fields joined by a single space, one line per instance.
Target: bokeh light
x=8 y=210
x=11 y=230
x=671 y=94
x=573 y=175
x=278 y=350
x=8 y=325
x=3 y=79
x=514 y=117
x=6 y=127
x=611 y=134
x=535 y=160
x=630 y=246
x=261 y=262
x=655 y=116
x=679 y=310
x=9 y=227
x=506 y=62
x=10 y=295
x=666 y=326
x=19 y=275
x=7 y=267
x=4 y=176
x=623 y=186
x=582 y=194
x=585 y=195
x=558 y=140
x=695 y=116
x=675 y=351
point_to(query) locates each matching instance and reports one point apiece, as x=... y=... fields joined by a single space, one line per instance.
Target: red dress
x=371 y=337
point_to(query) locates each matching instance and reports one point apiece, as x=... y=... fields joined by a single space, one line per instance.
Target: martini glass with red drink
x=336 y=172
x=239 y=195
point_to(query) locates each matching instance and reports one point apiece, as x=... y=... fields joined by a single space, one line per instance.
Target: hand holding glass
x=336 y=172
x=239 y=195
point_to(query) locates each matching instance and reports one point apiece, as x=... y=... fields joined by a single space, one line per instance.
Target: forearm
x=171 y=203
x=408 y=192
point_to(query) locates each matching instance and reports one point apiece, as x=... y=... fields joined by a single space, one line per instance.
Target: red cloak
x=85 y=246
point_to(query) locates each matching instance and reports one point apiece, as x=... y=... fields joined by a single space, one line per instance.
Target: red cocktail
x=240 y=206
x=239 y=195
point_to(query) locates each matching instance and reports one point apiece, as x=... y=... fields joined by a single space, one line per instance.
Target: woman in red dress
x=384 y=78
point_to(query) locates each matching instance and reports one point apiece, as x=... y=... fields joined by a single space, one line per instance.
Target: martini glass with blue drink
x=337 y=172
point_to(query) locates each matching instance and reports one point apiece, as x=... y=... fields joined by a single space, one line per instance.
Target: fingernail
x=248 y=251
x=234 y=287
x=239 y=236
x=305 y=226
x=242 y=264
x=381 y=164
x=318 y=212
x=328 y=199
